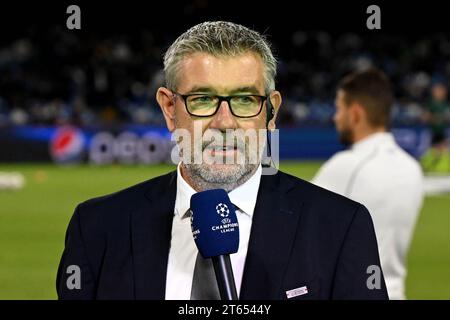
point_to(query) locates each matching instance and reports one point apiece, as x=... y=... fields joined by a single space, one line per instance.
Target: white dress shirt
x=183 y=251
x=389 y=182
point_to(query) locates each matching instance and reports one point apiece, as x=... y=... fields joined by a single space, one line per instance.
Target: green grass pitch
x=33 y=222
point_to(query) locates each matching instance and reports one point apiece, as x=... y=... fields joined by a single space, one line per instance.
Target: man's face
x=206 y=74
x=439 y=92
x=342 y=119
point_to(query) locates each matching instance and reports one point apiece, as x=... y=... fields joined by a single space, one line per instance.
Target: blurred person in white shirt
x=375 y=171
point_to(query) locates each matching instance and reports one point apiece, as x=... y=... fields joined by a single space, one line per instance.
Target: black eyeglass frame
x=221 y=99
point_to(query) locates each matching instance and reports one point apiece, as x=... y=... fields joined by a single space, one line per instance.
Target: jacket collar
x=272 y=235
x=151 y=227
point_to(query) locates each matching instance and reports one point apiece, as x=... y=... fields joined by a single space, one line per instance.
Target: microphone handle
x=225 y=278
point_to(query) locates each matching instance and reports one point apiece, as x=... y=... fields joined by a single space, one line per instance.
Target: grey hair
x=219 y=38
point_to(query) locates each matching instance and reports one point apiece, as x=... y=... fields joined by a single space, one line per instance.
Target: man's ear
x=275 y=99
x=166 y=101
x=357 y=114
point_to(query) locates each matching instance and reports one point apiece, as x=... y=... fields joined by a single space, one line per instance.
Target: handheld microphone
x=216 y=233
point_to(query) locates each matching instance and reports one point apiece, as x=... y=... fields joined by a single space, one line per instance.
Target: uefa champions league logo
x=223 y=211
x=195 y=233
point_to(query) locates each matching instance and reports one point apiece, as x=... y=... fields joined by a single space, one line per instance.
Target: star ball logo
x=223 y=211
x=191 y=216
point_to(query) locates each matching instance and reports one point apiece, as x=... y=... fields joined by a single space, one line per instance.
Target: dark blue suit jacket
x=302 y=235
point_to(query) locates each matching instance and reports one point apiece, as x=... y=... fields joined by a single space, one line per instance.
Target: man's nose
x=223 y=119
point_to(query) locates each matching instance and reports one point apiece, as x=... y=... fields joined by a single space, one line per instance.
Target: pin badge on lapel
x=296 y=292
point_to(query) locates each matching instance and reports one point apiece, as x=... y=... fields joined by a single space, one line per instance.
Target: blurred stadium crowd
x=61 y=77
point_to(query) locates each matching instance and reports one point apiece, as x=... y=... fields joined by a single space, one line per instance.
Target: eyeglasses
x=205 y=105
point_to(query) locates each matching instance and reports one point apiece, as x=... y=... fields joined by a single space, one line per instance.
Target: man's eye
x=202 y=99
x=245 y=99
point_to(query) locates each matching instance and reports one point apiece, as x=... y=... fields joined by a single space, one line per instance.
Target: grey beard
x=204 y=177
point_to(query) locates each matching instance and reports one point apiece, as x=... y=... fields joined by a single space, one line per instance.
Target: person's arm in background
x=358 y=272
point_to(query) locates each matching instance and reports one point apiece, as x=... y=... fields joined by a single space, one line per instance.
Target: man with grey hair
x=296 y=241
x=235 y=52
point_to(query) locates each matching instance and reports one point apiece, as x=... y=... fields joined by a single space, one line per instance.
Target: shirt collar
x=379 y=137
x=244 y=196
x=184 y=194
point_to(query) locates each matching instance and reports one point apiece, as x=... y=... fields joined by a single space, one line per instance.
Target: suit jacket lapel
x=151 y=227
x=272 y=234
